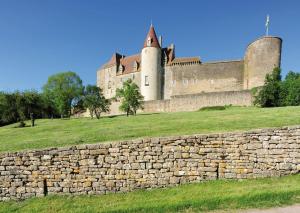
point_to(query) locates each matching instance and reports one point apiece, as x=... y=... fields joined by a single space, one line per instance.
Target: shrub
x=212 y=108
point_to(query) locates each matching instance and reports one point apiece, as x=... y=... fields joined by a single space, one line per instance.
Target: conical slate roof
x=152 y=35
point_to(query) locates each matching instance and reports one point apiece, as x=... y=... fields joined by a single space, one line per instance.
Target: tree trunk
x=91 y=114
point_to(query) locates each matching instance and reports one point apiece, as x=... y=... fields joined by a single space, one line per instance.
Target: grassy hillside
x=57 y=132
x=201 y=197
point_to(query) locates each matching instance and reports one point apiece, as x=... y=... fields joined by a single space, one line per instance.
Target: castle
x=169 y=83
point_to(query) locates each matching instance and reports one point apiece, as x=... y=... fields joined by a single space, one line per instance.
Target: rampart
x=206 y=77
x=196 y=101
x=149 y=163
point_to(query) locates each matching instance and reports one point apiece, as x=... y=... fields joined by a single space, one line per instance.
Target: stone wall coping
x=162 y=140
x=261 y=38
x=208 y=93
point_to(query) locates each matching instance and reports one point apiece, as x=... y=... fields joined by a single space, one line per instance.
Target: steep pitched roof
x=128 y=64
x=152 y=35
x=115 y=59
x=186 y=60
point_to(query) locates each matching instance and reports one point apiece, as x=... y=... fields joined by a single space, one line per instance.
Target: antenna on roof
x=151 y=23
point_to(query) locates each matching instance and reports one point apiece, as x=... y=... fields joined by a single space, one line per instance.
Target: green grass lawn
x=200 y=197
x=57 y=132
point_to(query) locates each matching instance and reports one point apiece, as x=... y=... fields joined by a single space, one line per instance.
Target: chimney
x=160 y=41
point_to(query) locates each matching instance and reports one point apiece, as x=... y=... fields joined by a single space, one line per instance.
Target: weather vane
x=267 y=25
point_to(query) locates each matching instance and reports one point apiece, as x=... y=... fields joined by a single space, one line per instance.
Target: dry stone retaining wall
x=149 y=163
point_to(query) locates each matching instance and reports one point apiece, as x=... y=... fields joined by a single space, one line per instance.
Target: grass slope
x=200 y=197
x=57 y=132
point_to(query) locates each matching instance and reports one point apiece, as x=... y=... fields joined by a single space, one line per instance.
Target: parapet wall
x=149 y=163
x=207 y=77
x=196 y=101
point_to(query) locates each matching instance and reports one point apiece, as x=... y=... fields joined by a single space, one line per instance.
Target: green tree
x=95 y=101
x=31 y=102
x=290 y=92
x=64 y=88
x=10 y=108
x=270 y=94
x=131 y=98
x=49 y=108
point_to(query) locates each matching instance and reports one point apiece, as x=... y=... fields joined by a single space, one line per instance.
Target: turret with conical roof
x=151 y=69
x=151 y=39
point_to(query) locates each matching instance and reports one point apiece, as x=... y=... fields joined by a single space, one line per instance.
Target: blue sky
x=41 y=37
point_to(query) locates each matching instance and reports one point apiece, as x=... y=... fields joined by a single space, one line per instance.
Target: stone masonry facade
x=149 y=163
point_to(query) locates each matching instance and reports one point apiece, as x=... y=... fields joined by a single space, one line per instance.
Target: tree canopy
x=95 y=101
x=19 y=106
x=276 y=92
x=64 y=89
x=130 y=96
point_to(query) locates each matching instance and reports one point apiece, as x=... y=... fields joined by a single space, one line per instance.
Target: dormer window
x=149 y=41
x=121 y=68
x=135 y=66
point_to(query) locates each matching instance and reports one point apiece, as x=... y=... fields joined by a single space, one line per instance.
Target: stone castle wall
x=182 y=80
x=149 y=163
x=206 y=77
x=196 y=101
x=192 y=102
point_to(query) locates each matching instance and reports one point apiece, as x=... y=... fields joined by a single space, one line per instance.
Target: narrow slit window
x=146 y=81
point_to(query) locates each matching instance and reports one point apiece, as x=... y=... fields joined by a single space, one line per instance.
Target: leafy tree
x=79 y=106
x=30 y=102
x=270 y=94
x=8 y=107
x=64 y=88
x=131 y=98
x=19 y=106
x=290 y=91
x=49 y=108
x=95 y=101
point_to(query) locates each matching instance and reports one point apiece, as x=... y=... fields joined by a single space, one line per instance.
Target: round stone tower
x=261 y=57
x=151 y=69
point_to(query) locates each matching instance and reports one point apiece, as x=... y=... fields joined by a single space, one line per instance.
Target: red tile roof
x=128 y=64
x=115 y=59
x=152 y=35
x=186 y=60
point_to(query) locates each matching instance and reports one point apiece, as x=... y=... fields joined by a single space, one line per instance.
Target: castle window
x=146 y=80
x=121 y=68
x=149 y=41
x=135 y=66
